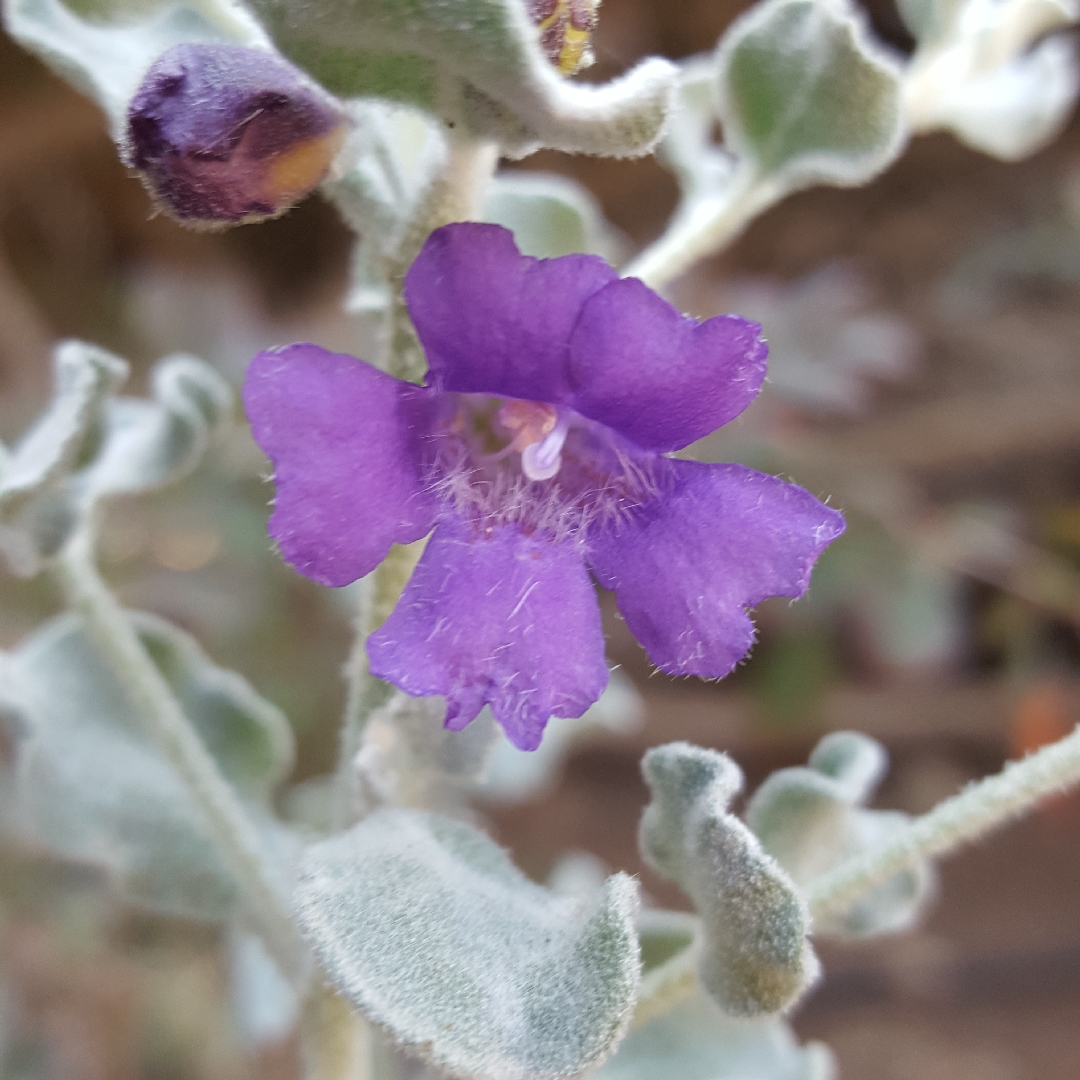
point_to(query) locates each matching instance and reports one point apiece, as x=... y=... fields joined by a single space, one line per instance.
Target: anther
x=530 y=421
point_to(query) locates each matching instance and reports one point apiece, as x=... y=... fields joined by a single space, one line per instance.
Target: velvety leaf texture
x=1002 y=77
x=475 y=62
x=89 y=445
x=811 y=819
x=549 y=215
x=408 y=758
x=689 y=146
x=84 y=377
x=428 y=929
x=151 y=443
x=806 y=96
x=755 y=957
x=696 y=1041
x=105 y=58
x=91 y=785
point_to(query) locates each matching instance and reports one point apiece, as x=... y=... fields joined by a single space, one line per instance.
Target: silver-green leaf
x=811 y=818
x=1001 y=76
x=91 y=785
x=85 y=376
x=550 y=215
x=473 y=63
x=408 y=758
x=689 y=146
x=697 y=1041
x=90 y=445
x=426 y=926
x=806 y=96
x=147 y=444
x=107 y=58
x=755 y=957
x=396 y=153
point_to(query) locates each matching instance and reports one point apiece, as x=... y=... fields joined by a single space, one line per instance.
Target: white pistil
x=542 y=460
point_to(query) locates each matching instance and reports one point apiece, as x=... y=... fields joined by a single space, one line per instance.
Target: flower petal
x=658 y=377
x=496 y=616
x=345 y=442
x=718 y=540
x=495 y=321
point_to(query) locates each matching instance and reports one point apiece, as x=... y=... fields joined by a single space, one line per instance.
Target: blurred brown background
x=945 y=623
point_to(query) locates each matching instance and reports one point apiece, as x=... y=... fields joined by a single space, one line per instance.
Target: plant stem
x=456 y=194
x=366 y=693
x=699 y=228
x=965 y=817
x=236 y=838
x=669 y=984
x=336 y=1042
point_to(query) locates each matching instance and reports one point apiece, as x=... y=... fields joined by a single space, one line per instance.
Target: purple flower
x=224 y=134
x=537 y=452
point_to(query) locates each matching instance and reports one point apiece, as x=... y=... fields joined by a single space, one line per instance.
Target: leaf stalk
x=965 y=817
x=236 y=838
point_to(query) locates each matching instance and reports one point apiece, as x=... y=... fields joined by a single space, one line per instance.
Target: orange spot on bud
x=294 y=172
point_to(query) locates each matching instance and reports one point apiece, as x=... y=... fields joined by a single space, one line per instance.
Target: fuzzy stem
x=668 y=986
x=456 y=194
x=956 y=821
x=366 y=693
x=336 y=1042
x=699 y=228
x=237 y=841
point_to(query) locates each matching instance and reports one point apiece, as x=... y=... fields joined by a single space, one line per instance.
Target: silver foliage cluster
x=92 y=445
x=755 y=956
x=427 y=927
x=812 y=819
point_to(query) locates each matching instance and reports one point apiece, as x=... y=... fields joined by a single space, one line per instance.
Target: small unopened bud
x=565 y=29
x=223 y=134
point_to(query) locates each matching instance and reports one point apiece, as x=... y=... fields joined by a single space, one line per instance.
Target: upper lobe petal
x=494 y=615
x=345 y=442
x=494 y=321
x=658 y=377
x=718 y=540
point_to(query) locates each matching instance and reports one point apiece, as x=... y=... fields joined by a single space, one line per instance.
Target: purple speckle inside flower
x=537 y=453
x=543 y=467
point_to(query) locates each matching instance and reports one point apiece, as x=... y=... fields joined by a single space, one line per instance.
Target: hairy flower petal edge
x=718 y=540
x=344 y=439
x=570 y=332
x=494 y=615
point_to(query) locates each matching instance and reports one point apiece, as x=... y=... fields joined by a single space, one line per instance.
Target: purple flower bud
x=225 y=134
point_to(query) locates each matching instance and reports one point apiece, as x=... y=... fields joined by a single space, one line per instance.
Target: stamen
x=529 y=420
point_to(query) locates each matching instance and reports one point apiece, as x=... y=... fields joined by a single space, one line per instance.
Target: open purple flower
x=536 y=452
